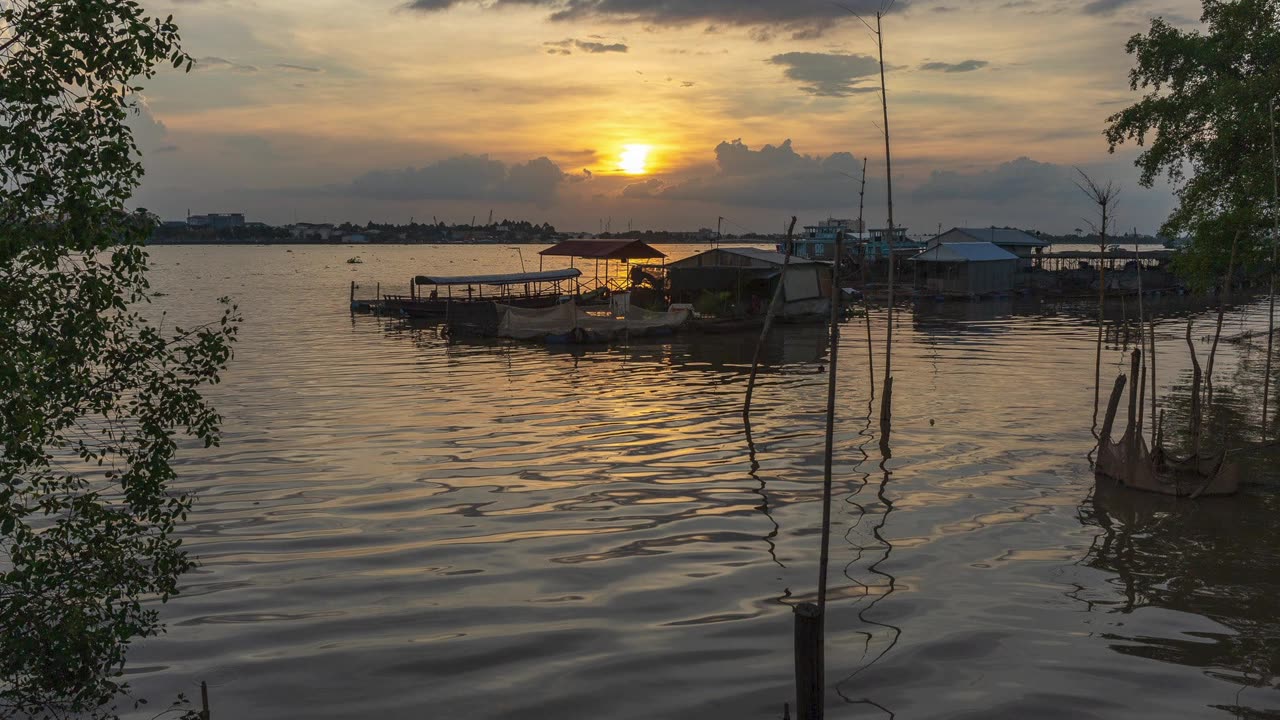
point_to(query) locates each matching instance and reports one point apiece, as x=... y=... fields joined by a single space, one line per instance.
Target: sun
x=634 y=159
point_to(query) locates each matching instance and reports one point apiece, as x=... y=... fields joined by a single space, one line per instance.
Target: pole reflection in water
x=881 y=591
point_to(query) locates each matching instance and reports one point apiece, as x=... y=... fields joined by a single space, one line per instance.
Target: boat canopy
x=508 y=279
x=604 y=250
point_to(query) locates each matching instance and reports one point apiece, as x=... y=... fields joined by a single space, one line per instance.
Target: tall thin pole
x=1275 y=237
x=831 y=425
x=866 y=306
x=886 y=400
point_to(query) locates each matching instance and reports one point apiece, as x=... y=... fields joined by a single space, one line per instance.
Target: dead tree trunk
x=1223 y=298
x=1196 y=376
x=1105 y=197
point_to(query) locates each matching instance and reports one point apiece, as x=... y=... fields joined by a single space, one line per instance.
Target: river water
x=397 y=527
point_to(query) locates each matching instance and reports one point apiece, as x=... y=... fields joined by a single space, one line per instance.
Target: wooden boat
x=450 y=294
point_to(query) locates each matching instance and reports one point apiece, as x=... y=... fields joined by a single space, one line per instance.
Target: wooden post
x=1131 y=429
x=809 y=661
x=831 y=424
x=1113 y=406
x=353 y=291
x=204 y=700
x=1151 y=339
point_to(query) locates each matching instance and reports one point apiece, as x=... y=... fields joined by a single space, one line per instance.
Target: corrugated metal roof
x=965 y=252
x=604 y=250
x=771 y=257
x=1003 y=236
x=508 y=279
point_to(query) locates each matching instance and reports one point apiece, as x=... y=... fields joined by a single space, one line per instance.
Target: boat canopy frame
x=623 y=250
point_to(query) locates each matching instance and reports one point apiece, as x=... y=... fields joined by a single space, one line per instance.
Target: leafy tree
x=1204 y=123
x=95 y=396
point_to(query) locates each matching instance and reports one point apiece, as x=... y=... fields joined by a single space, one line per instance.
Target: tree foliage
x=1204 y=124
x=96 y=398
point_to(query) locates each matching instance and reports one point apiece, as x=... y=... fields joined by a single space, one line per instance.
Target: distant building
x=315 y=232
x=355 y=238
x=174 y=224
x=217 y=221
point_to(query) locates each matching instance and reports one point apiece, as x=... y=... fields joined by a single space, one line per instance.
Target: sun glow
x=634 y=159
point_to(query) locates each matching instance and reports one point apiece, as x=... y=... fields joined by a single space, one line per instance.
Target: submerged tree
x=1204 y=125
x=1105 y=197
x=95 y=396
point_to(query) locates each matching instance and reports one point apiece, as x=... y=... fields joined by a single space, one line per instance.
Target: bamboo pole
x=866 y=305
x=1271 y=305
x=768 y=321
x=1151 y=338
x=886 y=400
x=827 y=459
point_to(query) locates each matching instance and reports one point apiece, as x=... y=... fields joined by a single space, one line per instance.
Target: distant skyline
x=662 y=113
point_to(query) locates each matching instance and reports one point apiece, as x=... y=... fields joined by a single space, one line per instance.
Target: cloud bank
x=464 y=177
x=775 y=176
x=808 y=19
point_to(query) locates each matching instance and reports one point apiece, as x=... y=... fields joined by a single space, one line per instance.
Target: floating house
x=965 y=269
x=737 y=282
x=1021 y=244
x=819 y=241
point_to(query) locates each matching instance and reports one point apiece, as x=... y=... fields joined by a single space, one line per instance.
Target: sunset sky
x=658 y=113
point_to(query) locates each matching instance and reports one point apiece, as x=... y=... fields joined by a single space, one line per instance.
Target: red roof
x=604 y=250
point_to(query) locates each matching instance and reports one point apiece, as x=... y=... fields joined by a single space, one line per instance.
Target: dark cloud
x=216 y=63
x=643 y=189
x=775 y=176
x=1011 y=182
x=465 y=177
x=963 y=66
x=1105 y=7
x=829 y=74
x=566 y=46
x=298 y=68
x=806 y=18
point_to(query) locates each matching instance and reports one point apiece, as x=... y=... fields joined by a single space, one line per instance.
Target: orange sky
x=323 y=110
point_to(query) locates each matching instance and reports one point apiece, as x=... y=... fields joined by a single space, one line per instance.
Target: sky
x=648 y=114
